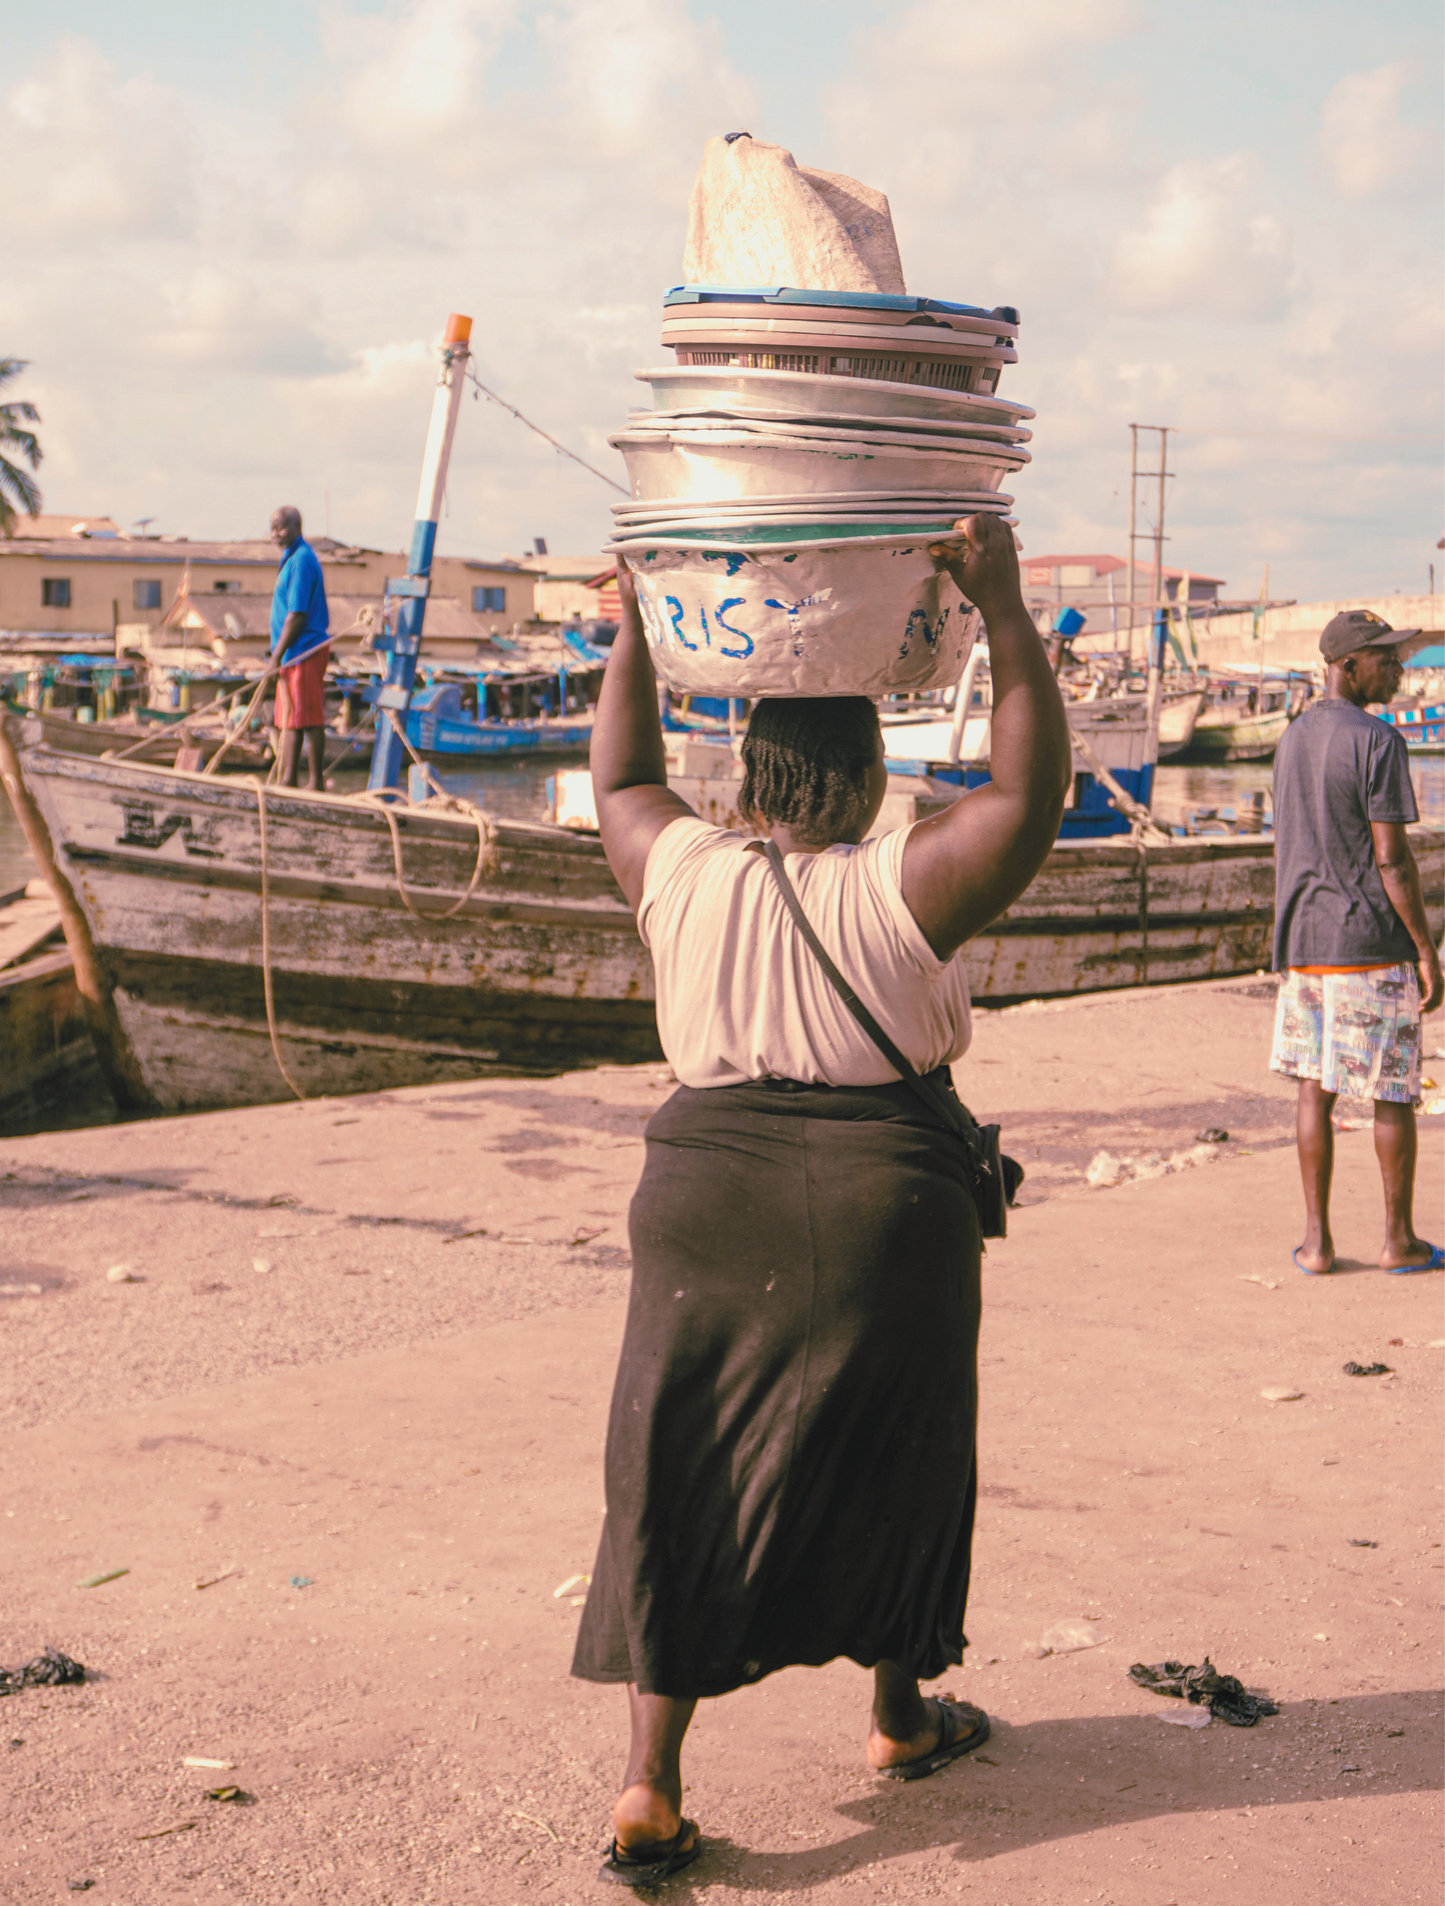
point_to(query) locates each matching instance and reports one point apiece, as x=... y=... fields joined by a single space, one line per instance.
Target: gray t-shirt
x=1336 y=770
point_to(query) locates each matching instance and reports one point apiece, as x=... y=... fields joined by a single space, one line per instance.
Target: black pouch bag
x=993 y=1177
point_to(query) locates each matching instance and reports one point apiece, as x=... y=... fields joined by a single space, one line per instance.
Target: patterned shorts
x=1357 y=1033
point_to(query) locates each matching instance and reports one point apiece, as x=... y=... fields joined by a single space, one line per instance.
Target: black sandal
x=954 y=1738
x=651 y=1862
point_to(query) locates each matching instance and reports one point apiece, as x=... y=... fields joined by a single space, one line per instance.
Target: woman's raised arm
x=629 y=767
x=965 y=866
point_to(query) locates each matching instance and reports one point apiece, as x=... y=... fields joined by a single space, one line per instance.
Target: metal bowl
x=689 y=464
x=913 y=432
x=923 y=504
x=806 y=393
x=717 y=416
x=869 y=614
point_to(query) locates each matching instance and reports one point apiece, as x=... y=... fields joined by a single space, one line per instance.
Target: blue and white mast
x=403 y=642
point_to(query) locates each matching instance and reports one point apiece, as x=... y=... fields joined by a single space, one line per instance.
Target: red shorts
x=301 y=691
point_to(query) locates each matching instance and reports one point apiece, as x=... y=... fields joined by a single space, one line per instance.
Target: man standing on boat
x=1351 y=936
x=300 y=650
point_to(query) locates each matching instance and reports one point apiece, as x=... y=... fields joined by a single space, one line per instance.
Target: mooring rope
x=486 y=862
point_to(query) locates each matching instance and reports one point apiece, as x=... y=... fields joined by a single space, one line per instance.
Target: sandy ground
x=387 y=1442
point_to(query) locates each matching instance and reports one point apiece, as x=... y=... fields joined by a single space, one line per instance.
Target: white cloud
x=89 y=153
x=268 y=328
x=1367 y=144
x=1207 y=245
x=224 y=320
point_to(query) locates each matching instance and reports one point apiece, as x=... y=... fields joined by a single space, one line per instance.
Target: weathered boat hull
x=45 y=1044
x=1253 y=738
x=159 y=877
x=161 y=742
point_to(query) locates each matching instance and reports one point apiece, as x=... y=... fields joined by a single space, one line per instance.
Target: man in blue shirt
x=1352 y=939
x=300 y=650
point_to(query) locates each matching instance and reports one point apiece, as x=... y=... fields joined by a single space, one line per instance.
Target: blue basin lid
x=858 y=300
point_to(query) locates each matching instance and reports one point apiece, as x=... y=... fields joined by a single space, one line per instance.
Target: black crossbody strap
x=952 y=1114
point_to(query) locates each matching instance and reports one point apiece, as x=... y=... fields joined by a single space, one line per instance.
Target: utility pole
x=1163 y=472
x=1133 y=520
x=1159 y=524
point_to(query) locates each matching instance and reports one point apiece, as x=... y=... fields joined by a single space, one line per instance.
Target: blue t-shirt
x=1336 y=770
x=299 y=587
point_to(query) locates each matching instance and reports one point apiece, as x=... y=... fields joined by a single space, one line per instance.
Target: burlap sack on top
x=756 y=217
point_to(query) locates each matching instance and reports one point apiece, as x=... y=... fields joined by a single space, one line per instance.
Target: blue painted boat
x=1423 y=728
x=438 y=723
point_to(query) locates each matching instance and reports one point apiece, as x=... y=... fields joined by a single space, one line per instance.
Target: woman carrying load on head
x=790 y=1455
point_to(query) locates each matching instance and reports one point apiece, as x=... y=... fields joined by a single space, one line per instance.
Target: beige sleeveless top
x=741 y=996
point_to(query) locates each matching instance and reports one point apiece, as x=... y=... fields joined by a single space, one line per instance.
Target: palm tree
x=18 y=490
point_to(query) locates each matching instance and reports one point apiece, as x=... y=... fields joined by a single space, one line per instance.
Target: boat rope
x=1144 y=826
x=487 y=856
x=165 y=731
x=560 y=448
x=378 y=799
x=240 y=727
x=266 y=943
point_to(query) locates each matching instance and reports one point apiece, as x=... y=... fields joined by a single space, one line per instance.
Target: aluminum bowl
x=917 y=433
x=677 y=386
x=925 y=506
x=716 y=416
x=869 y=614
x=689 y=464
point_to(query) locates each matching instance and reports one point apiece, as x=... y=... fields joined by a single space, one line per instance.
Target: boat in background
x=1245 y=717
x=477 y=713
x=141 y=736
x=1421 y=724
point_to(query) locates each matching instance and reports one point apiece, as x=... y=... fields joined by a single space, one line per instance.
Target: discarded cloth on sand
x=1223 y=1694
x=49 y=1670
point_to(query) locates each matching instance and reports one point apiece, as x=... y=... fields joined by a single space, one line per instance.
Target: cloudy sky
x=231 y=236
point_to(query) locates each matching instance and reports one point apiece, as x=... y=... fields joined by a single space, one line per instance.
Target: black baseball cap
x=1355 y=629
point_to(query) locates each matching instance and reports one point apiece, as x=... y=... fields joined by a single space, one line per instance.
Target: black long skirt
x=790 y=1454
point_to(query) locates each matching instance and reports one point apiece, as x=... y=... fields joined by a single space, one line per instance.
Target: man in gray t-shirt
x=1350 y=933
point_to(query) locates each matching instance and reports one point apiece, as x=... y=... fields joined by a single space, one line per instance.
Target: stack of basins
x=806 y=448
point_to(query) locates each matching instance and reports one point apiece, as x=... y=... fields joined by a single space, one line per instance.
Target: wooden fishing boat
x=157 y=745
x=1243 y=721
x=45 y=1045
x=160 y=877
x=173 y=910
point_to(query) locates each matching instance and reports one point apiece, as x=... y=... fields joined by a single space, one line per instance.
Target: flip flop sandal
x=653 y=1861
x=1435 y=1262
x=1294 y=1256
x=957 y=1738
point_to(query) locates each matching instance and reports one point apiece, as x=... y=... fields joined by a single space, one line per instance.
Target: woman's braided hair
x=805 y=763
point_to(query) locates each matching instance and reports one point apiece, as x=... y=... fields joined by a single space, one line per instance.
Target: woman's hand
x=626 y=587
x=982 y=559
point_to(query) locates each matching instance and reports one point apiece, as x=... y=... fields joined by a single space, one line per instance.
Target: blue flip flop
x=1435 y=1262
x=1294 y=1255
